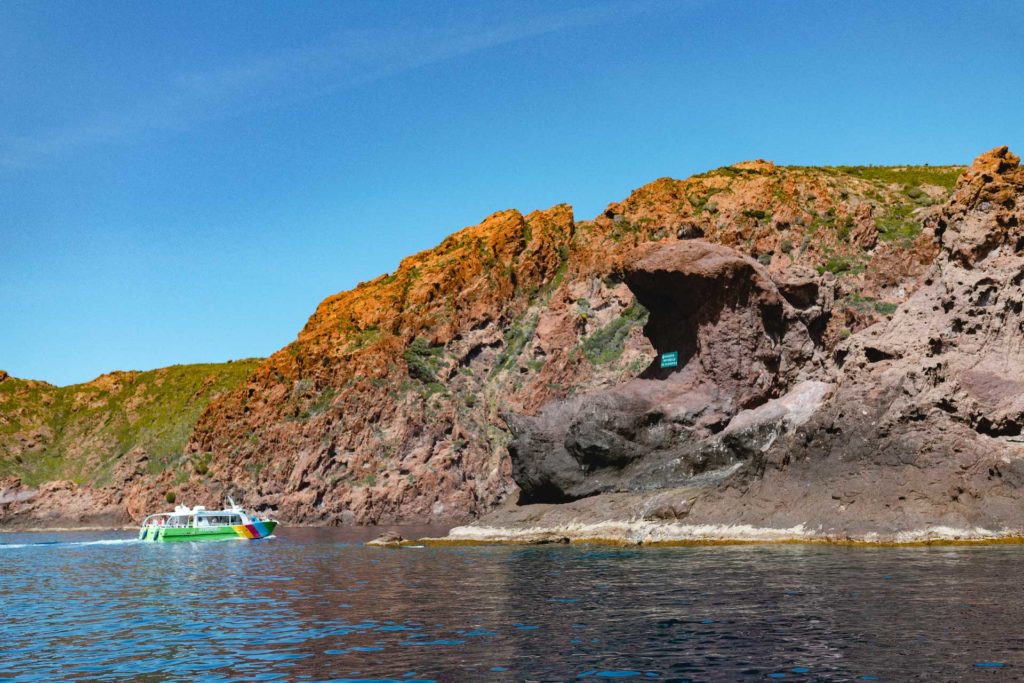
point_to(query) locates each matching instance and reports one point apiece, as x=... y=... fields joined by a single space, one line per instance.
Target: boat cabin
x=197 y=518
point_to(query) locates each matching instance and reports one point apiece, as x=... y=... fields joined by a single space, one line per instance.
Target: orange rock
x=755 y=165
x=996 y=160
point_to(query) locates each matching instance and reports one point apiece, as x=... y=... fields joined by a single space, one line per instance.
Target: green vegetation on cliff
x=608 y=343
x=80 y=432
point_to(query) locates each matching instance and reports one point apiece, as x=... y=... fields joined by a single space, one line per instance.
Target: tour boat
x=200 y=524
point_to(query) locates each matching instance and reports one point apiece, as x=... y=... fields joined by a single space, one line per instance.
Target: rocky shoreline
x=644 y=532
x=657 y=534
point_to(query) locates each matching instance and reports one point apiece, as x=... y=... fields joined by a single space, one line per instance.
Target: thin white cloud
x=337 y=62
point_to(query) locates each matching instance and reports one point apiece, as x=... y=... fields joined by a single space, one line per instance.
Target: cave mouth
x=681 y=303
x=544 y=492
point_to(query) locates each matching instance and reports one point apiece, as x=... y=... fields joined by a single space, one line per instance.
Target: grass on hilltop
x=907 y=176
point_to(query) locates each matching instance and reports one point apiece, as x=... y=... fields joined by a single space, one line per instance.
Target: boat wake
x=109 y=541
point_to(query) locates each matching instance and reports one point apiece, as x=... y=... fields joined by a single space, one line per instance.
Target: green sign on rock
x=670 y=359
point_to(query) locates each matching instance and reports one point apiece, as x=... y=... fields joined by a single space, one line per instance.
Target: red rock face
x=368 y=415
x=390 y=403
x=58 y=504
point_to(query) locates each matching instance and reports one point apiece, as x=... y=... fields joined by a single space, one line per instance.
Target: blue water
x=317 y=605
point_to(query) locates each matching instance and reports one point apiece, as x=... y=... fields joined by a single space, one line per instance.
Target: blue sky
x=184 y=182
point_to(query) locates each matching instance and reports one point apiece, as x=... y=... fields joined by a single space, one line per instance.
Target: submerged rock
x=388 y=540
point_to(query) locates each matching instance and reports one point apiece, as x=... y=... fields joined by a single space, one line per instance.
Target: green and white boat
x=200 y=524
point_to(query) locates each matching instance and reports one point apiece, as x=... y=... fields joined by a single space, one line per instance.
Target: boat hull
x=251 y=531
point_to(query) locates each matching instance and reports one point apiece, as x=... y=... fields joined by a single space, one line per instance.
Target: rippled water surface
x=318 y=605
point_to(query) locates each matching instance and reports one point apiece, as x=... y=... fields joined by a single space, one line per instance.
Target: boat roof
x=201 y=510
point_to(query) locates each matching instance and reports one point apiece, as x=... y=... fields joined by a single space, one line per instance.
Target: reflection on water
x=317 y=605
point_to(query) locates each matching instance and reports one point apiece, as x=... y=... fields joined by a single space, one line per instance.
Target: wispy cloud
x=338 y=61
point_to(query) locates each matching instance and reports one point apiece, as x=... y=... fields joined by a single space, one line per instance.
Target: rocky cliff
x=400 y=399
x=392 y=403
x=906 y=430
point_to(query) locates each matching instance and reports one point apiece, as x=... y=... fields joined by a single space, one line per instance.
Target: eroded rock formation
x=739 y=343
x=911 y=426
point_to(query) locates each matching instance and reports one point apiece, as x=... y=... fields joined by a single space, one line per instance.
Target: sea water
x=316 y=605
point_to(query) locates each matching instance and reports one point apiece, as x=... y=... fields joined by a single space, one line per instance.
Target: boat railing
x=159 y=519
